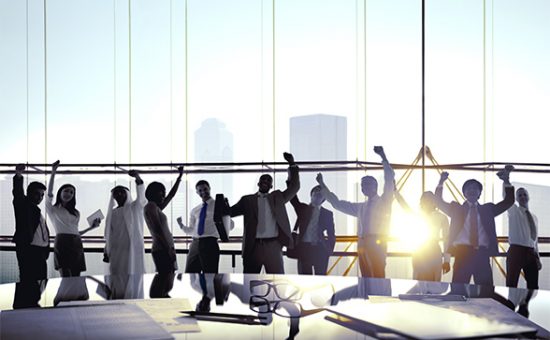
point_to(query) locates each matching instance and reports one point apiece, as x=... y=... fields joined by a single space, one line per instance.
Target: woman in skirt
x=68 y=249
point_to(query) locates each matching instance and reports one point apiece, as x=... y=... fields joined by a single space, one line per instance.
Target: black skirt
x=69 y=252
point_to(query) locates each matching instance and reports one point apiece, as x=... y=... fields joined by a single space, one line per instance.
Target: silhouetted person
x=28 y=293
x=163 y=249
x=68 y=249
x=204 y=251
x=266 y=225
x=124 y=249
x=312 y=222
x=427 y=259
x=472 y=237
x=523 y=253
x=373 y=218
x=161 y=285
x=32 y=237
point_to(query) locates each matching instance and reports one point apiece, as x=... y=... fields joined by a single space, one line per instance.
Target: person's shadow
x=363 y=289
x=211 y=286
x=118 y=287
x=71 y=289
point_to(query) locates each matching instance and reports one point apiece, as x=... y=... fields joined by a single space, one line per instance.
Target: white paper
x=112 y=321
x=92 y=217
x=166 y=312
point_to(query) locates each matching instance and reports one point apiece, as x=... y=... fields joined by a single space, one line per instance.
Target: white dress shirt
x=267 y=226
x=63 y=221
x=41 y=237
x=464 y=235
x=519 y=231
x=311 y=234
x=210 y=229
x=374 y=215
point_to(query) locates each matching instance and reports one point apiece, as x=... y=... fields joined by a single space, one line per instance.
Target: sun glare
x=409 y=230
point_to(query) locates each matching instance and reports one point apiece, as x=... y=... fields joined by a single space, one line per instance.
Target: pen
x=223 y=315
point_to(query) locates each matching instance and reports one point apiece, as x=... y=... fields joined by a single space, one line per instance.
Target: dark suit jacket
x=326 y=222
x=487 y=212
x=27 y=214
x=248 y=207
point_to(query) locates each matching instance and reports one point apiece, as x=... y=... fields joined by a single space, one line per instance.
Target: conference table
x=245 y=306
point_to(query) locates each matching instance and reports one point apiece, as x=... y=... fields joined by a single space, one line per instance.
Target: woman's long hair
x=70 y=206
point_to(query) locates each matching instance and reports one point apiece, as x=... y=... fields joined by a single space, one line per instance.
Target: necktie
x=262 y=216
x=531 y=225
x=473 y=226
x=202 y=217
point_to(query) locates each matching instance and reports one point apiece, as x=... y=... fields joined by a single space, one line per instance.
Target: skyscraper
x=321 y=137
x=214 y=144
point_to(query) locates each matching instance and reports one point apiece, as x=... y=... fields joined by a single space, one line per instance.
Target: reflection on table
x=288 y=306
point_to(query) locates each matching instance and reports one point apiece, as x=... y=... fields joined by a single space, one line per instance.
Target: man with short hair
x=266 y=225
x=312 y=222
x=472 y=237
x=373 y=218
x=32 y=237
x=204 y=251
x=523 y=253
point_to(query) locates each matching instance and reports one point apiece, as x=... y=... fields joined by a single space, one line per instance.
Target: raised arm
x=49 y=195
x=55 y=165
x=438 y=197
x=340 y=205
x=17 y=190
x=389 y=174
x=293 y=181
x=173 y=191
x=140 y=188
x=509 y=198
x=295 y=201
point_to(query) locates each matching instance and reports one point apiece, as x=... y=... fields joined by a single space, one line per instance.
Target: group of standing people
x=471 y=237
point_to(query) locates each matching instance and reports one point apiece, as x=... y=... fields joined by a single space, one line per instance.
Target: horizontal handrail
x=238 y=239
x=254 y=167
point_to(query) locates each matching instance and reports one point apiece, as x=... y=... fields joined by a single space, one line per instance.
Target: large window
x=193 y=81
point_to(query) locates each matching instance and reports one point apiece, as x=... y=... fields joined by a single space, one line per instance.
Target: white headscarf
x=132 y=211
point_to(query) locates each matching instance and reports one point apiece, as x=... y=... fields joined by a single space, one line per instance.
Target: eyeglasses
x=284 y=308
x=283 y=290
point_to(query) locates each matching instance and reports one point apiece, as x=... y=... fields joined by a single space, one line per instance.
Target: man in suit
x=32 y=237
x=312 y=221
x=266 y=225
x=204 y=251
x=472 y=237
x=373 y=218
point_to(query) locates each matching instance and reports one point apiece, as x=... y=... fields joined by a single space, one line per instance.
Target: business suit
x=474 y=261
x=268 y=252
x=314 y=255
x=30 y=258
